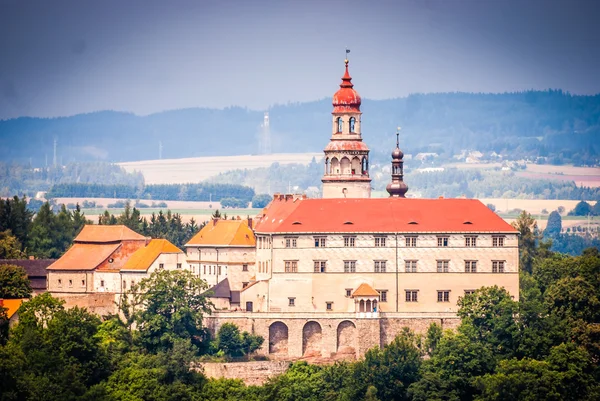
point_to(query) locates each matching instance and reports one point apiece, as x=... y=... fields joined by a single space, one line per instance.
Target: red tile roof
x=102 y=234
x=84 y=256
x=336 y=145
x=11 y=305
x=365 y=290
x=379 y=215
x=143 y=258
x=221 y=232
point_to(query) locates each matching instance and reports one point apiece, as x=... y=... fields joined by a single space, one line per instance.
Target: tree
x=14 y=282
x=236 y=344
x=528 y=237
x=581 y=209
x=260 y=201
x=167 y=306
x=15 y=216
x=10 y=247
x=554 y=225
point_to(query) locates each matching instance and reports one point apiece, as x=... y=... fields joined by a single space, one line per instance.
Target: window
x=291 y=266
x=161 y=265
x=124 y=284
x=410 y=266
x=497 y=241
x=379 y=266
x=219 y=270
x=60 y=282
x=352 y=123
x=244 y=285
x=204 y=269
x=443 y=296
x=411 y=295
x=380 y=241
x=329 y=305
x=291 y=242
x=70 y=283
x=209 y=269
x=497 y=266
x=319 y=242
x=244 y=268
x=349 y=266
x=443 y=266
x=348 y=292
x=132 y=284
x=340 y=124
x=470 y=266
x=101 y=283
x=179 y=265
x=471 y=241
x=83 y=283
x=320 y=266
x=291 y=301
x=469 y=292
x=382 y=295
x=349 y=241
x=442 y=241
x=411 y=242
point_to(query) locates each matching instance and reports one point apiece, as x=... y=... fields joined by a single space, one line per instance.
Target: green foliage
x=10 y=246
x=15 y=216
x=582 y=209
x=554 y=225
x=433 y=337
x=236 y=344
x=234 y=203
x=261 y=200
x=528 y=238
x=166 y=307
x=14 y=282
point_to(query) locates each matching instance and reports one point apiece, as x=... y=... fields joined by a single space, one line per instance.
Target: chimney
x=250 y=222
x=32 y=257
x=289 y=197
x=214 y=221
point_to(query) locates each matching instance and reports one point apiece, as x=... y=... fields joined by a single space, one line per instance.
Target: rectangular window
x=379 y=266
x=320 y=266
x=83 y=283
x=319 y=242
x=443 y=266
x=179 y=265
x=470 y=266
x=244 y=285
x=291 y=301
x=497 y=266
x=382 y=295
x=101 y=283
x=497 y=241
x=349 y=266
x=469 y=292
x=348 y=292
x=349 y=241
x=442 y=241
x=471 y=241
x=291 y=266
x=132 y=284
x=244 y=268
x=329 y=305
x=443 y=296
x=380 y=241
x=219 y=270
x=60 y=282
x=410 y=266
x=70 y=283
x=204 y=269
x=411 y=242
x=124 y=284
x=291 y=242
x=411 y=295
x=161 y=265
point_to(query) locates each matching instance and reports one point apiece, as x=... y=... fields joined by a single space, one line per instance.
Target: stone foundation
x=252 y=373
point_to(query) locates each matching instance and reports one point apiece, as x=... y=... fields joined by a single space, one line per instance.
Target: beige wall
x=81 y=281
x=354 y=189
x=204 y=262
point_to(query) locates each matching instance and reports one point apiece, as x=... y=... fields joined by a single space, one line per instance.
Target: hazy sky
x=67 y=57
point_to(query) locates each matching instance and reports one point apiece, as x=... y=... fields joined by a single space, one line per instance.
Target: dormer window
x=340 y=124
x=352 y=124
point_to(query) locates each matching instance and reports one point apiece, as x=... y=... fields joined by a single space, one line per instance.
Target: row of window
x=410 y=241
x=380 y=266
x=59 y=282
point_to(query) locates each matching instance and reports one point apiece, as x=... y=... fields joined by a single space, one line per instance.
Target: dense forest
x=553 y=124
x=543 y=346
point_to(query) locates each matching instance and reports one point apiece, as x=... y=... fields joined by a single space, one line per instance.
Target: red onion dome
x=346 y=98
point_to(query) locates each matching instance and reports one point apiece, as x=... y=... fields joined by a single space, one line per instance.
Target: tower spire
x=397 y=188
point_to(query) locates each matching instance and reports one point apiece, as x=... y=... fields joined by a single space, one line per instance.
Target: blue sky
x=67 y=57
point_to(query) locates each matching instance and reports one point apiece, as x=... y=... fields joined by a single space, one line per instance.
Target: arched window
x=352 y=123
x=340 y=124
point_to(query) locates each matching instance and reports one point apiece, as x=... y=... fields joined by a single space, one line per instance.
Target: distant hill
x=561 y=126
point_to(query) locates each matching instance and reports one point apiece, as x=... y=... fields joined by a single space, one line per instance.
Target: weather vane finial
x=398 y=136
x=347 y=51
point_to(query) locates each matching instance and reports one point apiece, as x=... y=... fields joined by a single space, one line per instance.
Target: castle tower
x=397 y=188
x=346 y=155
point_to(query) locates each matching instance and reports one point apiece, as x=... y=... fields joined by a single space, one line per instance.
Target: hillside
x=555 y=124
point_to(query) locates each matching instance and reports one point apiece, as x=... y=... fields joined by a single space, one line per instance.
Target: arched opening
x=311 y=339
x=345 y=165
x=278 y=338
x=352 y=124
x=365 y=165
x=340 y=124
x=356 y=167
x=327 y=166
x=361 y=305
x=335 y=166
x=347 y=338
x=368 y=306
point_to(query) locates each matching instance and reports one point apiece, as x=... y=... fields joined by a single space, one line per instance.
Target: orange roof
x=98 y=233
x=143 y=258
x=365 y=290
x=12 y=306
x=84 y=256
x=220 y=232
x=386 y=215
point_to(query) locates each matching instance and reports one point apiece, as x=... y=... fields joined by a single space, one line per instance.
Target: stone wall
x=100 y=303
x=252 y=373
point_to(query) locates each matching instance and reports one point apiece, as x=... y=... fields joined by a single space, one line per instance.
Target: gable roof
x=221 y=290
x=379 y=215
x=143 y=258
x=33 y=267
x=102 y=234
x=12 y=306
x=365 y=290
x=84 y=256
x=219 y=232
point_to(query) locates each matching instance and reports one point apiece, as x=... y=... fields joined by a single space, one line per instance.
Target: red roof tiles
x=98 y=233
x=84 y=256
x=336 y=145
x=379 y=215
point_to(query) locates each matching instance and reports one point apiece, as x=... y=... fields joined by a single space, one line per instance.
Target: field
x=193 y=170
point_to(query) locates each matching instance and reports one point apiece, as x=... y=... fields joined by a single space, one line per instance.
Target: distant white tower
x=264 y=137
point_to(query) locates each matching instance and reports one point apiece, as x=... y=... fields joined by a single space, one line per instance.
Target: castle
x=324 y=277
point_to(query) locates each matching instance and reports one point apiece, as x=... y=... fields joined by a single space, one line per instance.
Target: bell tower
x=397 y=188
x=346 y=156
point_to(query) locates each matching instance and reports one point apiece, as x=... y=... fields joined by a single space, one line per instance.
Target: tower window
x=340 y=124
x=352 y=124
